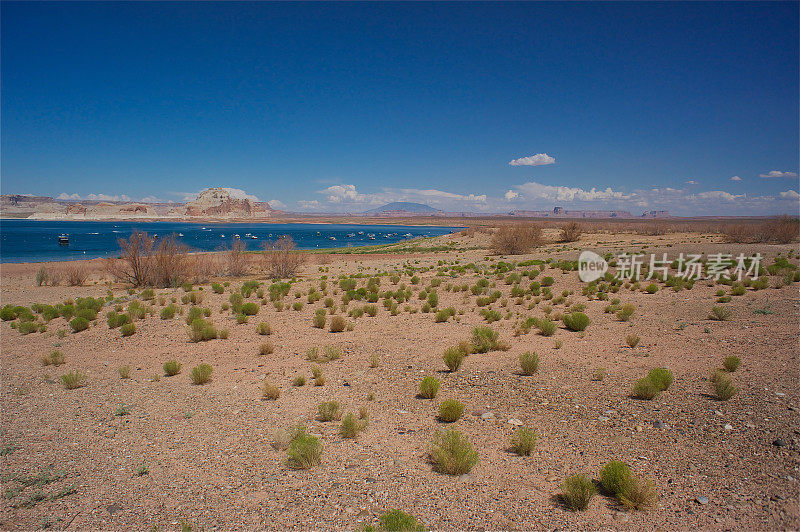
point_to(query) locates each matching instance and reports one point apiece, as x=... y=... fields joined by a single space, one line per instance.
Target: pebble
x=551 y=479
x=702 y=499
x=515 y=421
x=728 y=426
x=466 y=477
x=487 y=415
x=658 y=424
x=779 y=443
x=602 y=418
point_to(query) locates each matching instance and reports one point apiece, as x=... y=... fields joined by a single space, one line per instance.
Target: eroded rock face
x=218 y=202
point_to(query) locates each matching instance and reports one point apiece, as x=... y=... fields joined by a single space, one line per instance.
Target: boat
x=361 y=232
x=407 y=235
x=254 y=237
x=236 y=236
x=371 y=236
x=180 y=234
x=331 y=238
x=351 y=235
x=63 y=239
x=222 y=236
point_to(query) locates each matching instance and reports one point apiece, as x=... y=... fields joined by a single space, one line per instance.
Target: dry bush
x=235 y=258
x=468 y=232
x=783 y=230
x=324 y=258
x=143 y=261
x=571 y=232
x=169 y=263
x=281 y=259
x=76 y=274
x=133 y=266
x=203 y=267
x=516 y=239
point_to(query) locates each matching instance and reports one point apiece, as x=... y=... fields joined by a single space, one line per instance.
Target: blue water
x=37 y=241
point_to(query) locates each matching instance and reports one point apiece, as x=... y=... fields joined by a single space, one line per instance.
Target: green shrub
x=264 y=329
x=723 y=386
x=129 y=329
x=371 y=310
x=398 y=521
x=217 y=288
x=546 y=327
x=7 y=313
x=223 y=334
x=652 y=288
x=485 y=339
x=320 y=318
x=73 y=379
x=168 y=312
x=193 y=314
x=577 y=491
x=124 y=372
x=731 y=363
x=529 y=362
x=86 y=313
x=429 y=387
x=297 y=306
x=305 y=451
x=523 y=441
x=453 y=357
x=719 y=314
x=202 y=330
x=28 y=327
x=338 y=324
x=452 y=454
x=637 y=493
x=577 y=321
x=77 y=324
x=613 y=475
x=329 y=411
x=625 y=313
x=645 y=389
x=201 y=374
x=172 y=368
x=350 y=426
x=450 y=410
x=300 y=380
x=661 y=377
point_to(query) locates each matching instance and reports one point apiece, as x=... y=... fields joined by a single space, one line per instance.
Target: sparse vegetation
x=429 y=387
x=723 y=386
x=452 y=453
x=269 y=391
x=731 y=363
x=529 y=362
x=577 y=491
x=171 y=368
x=329 y=411
x=201 y=374
x=450 y=410
x=523 y=441
x=73 y=379
x=305 y=450
x=719 y=314
x=661 y=377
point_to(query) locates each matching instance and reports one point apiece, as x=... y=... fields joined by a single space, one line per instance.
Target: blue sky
x=688 y=107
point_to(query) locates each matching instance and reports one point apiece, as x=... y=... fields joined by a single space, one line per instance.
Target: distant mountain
x=400 y=207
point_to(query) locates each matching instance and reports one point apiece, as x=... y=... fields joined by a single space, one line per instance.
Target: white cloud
x=151 y=199
x=534 y=190
x=719 y=195
x=107 y=197
x=511 y=195
x=539 y=159
x=440 y=194
x=778 y=173
x=308 y=204
x=276 y=204
x=692 y=182
x=65 y=196
x=736 y=178
x=790 y=194
x=347 y=194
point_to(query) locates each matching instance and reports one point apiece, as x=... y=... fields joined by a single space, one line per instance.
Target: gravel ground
x=208 y=449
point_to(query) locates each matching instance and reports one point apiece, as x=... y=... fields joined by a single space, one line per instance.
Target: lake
x=37 y=240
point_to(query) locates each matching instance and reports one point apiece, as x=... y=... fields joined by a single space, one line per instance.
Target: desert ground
x=158 y=452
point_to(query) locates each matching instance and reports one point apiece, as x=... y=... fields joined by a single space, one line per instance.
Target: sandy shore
x=209 y=452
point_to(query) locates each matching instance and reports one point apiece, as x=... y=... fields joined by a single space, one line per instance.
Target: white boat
x=407 y=235
x=254 y=237
x=361 y=232
x=236 y=236
x=222 y=236
x=331 y=238
x=350 y=235
x=63 y=239
x=371 y=236
x=180 y=234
